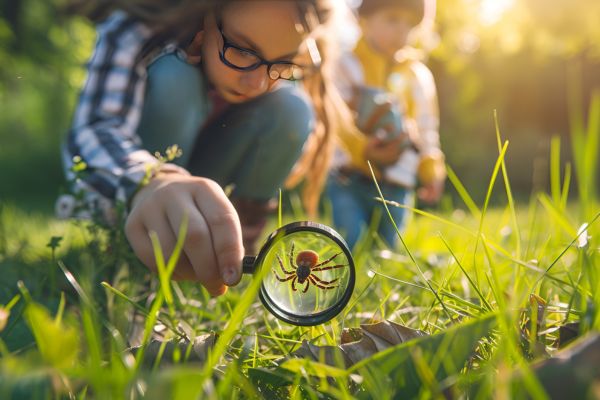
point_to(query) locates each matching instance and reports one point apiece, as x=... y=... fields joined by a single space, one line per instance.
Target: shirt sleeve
x=426 y=112
x=431 y=166
x=417 y=88
x=103 y=133
x=351 y=142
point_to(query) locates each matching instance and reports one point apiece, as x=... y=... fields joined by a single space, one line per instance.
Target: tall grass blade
x=488 y=196
x=412 y=258
x=558 y=217
x=509 y=195
x=475 y=287
x=569 y=246
x=585 y=142
x=463 y=193
x=166 y=271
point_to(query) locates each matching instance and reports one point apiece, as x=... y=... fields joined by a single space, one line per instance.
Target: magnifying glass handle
x=248 y=266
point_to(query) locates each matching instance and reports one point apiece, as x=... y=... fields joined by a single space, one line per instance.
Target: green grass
x=497 y=289
x=79 y=329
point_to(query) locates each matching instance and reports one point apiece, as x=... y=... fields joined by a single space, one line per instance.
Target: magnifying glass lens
x=311 y=273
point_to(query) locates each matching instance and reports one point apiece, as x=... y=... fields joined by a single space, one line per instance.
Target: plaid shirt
x=104 y=128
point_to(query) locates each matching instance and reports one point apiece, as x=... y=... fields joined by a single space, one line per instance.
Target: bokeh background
x=535 y=62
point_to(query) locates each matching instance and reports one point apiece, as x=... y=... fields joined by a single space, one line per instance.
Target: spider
x=307 y=262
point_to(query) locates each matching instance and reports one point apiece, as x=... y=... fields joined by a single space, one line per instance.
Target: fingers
x=430 y=193
x=138 y=232
x=197 y=247
x=225 y=231
x=194 y=49
x=140 y=242
x=212 y=251
x=383 y=152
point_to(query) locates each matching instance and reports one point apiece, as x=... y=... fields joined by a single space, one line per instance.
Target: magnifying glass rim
x=320 y=317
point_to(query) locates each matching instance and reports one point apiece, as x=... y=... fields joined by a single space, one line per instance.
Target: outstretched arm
x=103 y=133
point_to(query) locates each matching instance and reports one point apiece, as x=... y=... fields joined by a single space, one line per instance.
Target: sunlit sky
x=492 y=10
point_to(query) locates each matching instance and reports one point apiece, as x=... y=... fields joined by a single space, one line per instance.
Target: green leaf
x=313 y=368
x=58 y=343
x=272 y=383
x=401 y=368
x=54 y=242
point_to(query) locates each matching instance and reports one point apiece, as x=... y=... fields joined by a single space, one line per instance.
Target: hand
x=194 y=49
x=377 y=112
x=431 y=193
x=383 y=153
x=212 y=251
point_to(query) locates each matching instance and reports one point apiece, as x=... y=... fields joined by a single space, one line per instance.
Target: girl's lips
x=238 y=94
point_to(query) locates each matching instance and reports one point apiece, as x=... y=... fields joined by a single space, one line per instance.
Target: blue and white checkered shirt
x=104 y=128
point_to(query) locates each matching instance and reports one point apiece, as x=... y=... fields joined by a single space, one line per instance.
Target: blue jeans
x=352 y=196
x=252 y=145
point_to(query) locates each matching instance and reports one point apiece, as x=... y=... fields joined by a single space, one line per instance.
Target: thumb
x=194 y=49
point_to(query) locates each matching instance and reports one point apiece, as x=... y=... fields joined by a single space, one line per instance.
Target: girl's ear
x=194 y=49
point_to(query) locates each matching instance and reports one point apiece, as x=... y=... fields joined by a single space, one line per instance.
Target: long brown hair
x=331 y=111
x=178 y=19
x=169 y=19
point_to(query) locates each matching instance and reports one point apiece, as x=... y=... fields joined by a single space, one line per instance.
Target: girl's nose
x=255 y=82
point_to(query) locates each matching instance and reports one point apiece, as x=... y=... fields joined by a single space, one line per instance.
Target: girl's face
x=269 y=29
x=388 y=28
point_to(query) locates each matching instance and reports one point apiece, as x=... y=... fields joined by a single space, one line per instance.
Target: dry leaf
x=536 y=311
x=198 y=352
x=572 y=372
x=358 y=344
x=567 y=333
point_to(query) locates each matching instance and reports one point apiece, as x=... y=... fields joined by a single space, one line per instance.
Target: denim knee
x=175 y=105
x=290 y=117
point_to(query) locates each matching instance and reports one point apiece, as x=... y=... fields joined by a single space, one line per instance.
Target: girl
x=227 y=81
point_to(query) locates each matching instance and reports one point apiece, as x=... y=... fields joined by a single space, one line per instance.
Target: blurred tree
x=513 y=57
x=11 y=11
x=42 y=53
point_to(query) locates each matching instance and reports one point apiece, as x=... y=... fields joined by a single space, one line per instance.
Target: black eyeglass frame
x=306 y=70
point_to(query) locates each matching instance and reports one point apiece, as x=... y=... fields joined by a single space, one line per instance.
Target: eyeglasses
x=242 y=59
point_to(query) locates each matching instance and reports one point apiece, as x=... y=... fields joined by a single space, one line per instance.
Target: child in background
x=394 y=98
x=213 y=77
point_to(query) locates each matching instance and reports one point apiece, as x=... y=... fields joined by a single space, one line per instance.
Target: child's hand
x=212 y=252
x=431 y=192
x=384 y=152
x=194 y=49
x=432 y=175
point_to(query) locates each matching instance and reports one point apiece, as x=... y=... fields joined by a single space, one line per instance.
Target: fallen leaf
x=534 y=347
x=572 y=372
x=358 y=344
x=198 y=352
x=567 y=333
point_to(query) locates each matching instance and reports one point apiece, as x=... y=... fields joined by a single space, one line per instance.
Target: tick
x=304 y=265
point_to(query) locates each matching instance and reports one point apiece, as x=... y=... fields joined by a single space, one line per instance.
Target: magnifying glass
x=311 y=273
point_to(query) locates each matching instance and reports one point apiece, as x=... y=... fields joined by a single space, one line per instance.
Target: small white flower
x=64 y=207
x=370 y=273
x=505 y=231
x=582 y=236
